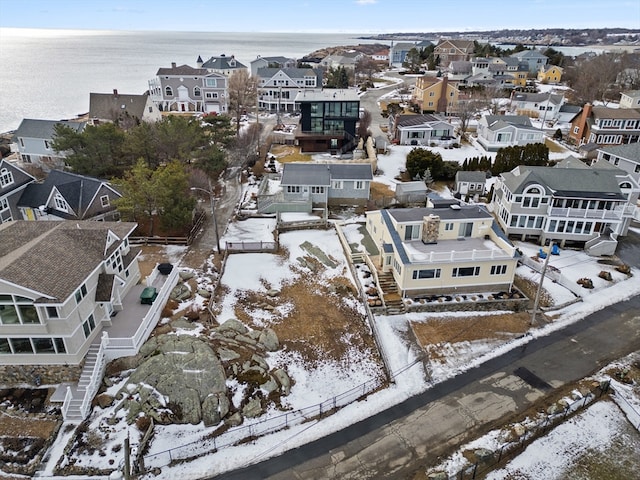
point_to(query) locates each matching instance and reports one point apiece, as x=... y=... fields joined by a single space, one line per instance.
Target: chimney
x=430 y=229
x=173 y=64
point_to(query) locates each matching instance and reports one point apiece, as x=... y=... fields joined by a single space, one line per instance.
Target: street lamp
x=213 y=213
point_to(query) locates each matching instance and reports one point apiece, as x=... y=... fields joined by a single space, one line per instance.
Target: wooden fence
x=186 y=240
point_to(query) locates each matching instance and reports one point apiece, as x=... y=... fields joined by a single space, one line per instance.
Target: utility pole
x=539 y=291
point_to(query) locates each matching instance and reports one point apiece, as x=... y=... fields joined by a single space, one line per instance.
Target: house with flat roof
x=328 y=120
x=456 y=249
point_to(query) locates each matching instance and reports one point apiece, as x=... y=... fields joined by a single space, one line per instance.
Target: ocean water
x=48 y=74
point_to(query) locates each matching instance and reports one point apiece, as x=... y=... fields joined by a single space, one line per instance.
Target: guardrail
x=437 y=257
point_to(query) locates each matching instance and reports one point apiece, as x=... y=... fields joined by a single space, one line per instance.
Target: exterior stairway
x=392 y=300
x=75 y=406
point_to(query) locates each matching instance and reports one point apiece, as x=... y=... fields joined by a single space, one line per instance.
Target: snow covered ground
x=330 y=379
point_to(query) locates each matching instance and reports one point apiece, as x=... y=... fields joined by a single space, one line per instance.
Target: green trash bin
x=148 y=295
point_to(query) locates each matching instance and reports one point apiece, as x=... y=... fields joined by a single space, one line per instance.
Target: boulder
x=186 y=274
x=273 y=293
x=180 y=292
x=104 y=400
x=234 y=420
x=253 y=408
x=269 y=339
x=283 y=379
x=204 y=293
x=269 y=386
x=183 y=323
x=233 y=325
x=260 y=361
x=227 y=355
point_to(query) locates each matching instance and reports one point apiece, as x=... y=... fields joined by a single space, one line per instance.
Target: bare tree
x=365 y=68
x=243 y=94
x=594 y=79
x=245 y=148
x=468 y=109
x=364 y=124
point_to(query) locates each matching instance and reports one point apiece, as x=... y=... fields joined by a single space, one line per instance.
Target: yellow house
x=442 y=250
x=550 y=74
x=435 y=95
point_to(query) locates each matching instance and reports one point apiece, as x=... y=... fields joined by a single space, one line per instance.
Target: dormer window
x=6 y=178
x=60 y=203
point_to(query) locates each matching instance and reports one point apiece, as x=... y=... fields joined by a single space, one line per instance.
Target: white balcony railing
x=614 y=214
x=458 y=256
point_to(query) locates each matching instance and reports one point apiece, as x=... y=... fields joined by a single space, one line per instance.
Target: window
x=21 y=345
x=196 y=91
x=104 y=201
x=43 y=345
x=211 y=95
x=4 y=346
x=448 y=226
x=360 y=184
x=430 y=273
x=210 y=82
x=88 y=326
x=47 y=144
x=81 y=293
x=412 y=232
x=576 y=129
x=317 y=189
x=168 y=91
x=337 y=184
x=637 y=169
x=4 y=204
x=52 y=312
x=293 y=188
x=466 y=271
x=498 y=269
x=60 y=203
x=6 y=177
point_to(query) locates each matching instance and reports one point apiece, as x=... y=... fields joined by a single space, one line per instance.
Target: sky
x=331 y=16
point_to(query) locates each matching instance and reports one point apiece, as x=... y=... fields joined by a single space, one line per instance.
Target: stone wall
x=514 y=305
x=14 y=375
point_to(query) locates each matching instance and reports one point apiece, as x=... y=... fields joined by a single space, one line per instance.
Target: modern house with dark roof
x=328 y=120
x=13 y=182
x=69 y=196
x=278 y=87
x=455 y=249
x=126 y=110
x=570 y=203
x=61 y=286
x=498 y=131
x=304 y=186
x=34 y=141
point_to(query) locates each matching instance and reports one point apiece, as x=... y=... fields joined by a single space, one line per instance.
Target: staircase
x=392 y=300
x=74 y=411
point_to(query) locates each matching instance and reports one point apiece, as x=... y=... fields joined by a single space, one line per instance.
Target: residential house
x=187 y=89
x=569 y=204
x=347 y=60
x=567 y=112
x=447 y=51
x=550 y=74
x=13 y=181
x=69 y=196
x=435 y=95
x=605 y=126
x=398 y=53
x=271 y=62
x=411 y=192
x=328 y=120
x=519 y=71
x=278 y=87
x=34 y=141
x=459 y=71
x=381 y=56
x=124 y=109
x=470 y=185
x=222 y=65
x=304 y=186
x=70 y=302
x=625 y=157
x=533 y=58
x=458 y=249
x=60 y=283
x=424 y=129
x=543 y=106
x=498 y=131
x=630 y=99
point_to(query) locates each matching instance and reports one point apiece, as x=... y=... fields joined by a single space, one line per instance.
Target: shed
x=411 y=192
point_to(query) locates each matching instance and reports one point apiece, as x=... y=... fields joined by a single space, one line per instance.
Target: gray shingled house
x=304 y=186
x=13 y=181
x=126 y=110
x=69 y=196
